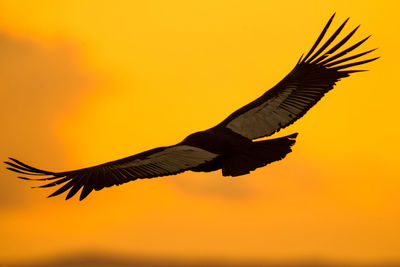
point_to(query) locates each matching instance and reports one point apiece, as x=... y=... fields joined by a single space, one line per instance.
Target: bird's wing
x=157 y=162
x=313 y=76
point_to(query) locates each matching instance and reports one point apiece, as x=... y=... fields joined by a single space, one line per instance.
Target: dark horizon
x=101 y=260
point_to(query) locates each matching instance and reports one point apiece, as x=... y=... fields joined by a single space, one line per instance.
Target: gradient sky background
x=84 y=82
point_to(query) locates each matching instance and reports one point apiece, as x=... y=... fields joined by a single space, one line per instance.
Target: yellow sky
x=84 y=82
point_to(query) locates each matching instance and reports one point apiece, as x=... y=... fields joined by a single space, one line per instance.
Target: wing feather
x=153 y=163
x=312 y=77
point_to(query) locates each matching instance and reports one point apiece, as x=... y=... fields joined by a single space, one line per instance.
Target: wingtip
x=52 y=195
x=25 y=178
x=355 y=71
x=86 y=190
x=82 y=196
x=301 y=57
x=331 y=18
x=372 y=59
x=349 y=65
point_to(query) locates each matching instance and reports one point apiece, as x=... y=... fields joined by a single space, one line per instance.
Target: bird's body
x=218 y=140
x=233 y=145
x=228 y=145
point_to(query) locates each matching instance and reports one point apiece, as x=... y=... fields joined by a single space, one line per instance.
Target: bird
x=236 y=145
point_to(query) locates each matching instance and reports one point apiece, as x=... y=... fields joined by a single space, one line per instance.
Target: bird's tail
x=259 y=154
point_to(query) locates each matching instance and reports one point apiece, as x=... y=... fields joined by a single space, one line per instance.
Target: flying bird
x=231 y=145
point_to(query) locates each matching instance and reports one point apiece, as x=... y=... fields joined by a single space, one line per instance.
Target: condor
x=231 y=145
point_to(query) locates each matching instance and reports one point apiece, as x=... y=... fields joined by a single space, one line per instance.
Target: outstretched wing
x=313 y=76
x=157 y=162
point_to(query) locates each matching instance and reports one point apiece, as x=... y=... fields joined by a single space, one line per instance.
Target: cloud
x=37 y=81
x=104 y=260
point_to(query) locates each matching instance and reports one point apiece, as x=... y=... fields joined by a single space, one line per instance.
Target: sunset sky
x=85 y=82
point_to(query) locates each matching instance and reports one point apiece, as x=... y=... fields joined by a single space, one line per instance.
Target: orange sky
x=84 y=82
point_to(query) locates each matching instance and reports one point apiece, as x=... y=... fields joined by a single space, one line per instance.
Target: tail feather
x=259 y=154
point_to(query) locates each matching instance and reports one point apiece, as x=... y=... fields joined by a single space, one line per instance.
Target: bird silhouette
x=231 y=145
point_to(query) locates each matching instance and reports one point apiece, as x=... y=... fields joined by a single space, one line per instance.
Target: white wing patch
x=265 y=118
x=171 y=160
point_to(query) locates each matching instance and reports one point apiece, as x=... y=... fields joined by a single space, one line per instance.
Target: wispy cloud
x=97 y=260
x=38 y=81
